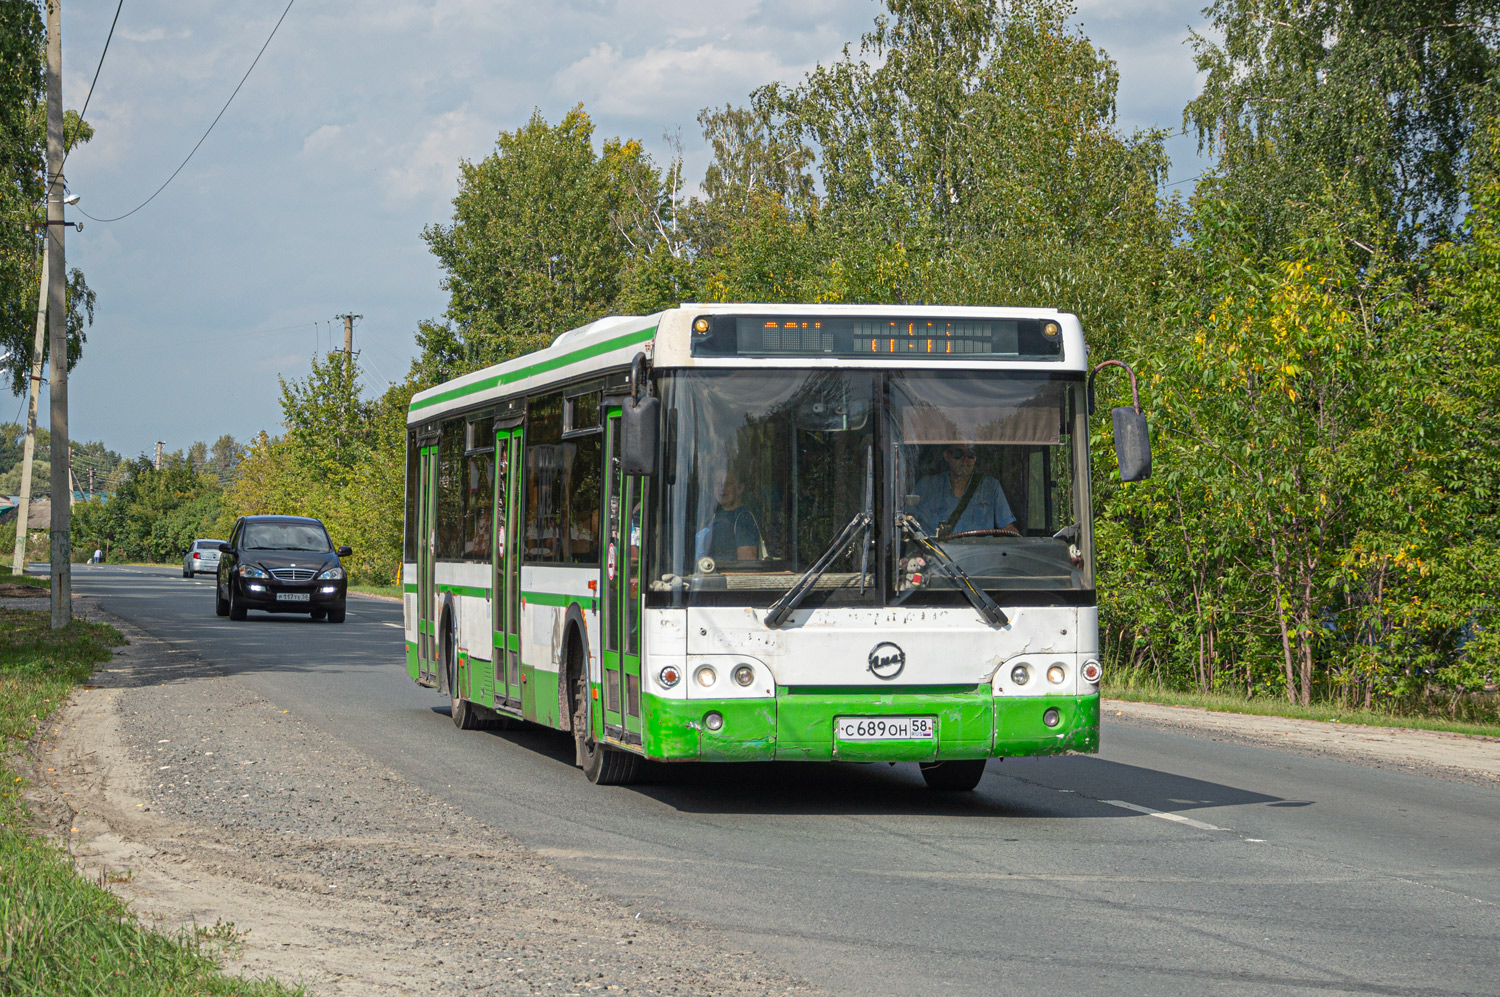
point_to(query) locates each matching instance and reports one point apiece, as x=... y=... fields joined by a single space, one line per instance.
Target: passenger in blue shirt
x=732 y=534
x=941 y=493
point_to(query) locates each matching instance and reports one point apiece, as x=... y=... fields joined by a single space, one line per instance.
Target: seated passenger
x=958 y=501
x=732 y=534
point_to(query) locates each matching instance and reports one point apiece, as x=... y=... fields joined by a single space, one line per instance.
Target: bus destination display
x=884 y=337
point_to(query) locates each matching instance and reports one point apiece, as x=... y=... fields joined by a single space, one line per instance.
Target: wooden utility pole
x=57 y=327
x=349 y=341
x=34 y=391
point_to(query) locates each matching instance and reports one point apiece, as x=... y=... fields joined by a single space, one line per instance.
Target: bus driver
x=959 y=500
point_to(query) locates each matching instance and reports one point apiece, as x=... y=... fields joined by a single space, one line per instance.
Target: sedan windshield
x=286 y=536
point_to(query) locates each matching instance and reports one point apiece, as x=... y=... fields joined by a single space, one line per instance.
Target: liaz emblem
x=887 y=660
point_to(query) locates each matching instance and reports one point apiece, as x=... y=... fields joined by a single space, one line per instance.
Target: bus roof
x=612 y=342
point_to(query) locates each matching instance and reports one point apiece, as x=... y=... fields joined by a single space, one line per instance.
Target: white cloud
x=426 y=169
x=640 y=86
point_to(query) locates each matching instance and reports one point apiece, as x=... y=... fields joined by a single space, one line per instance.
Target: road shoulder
x=199 y=802
x=1457 y=757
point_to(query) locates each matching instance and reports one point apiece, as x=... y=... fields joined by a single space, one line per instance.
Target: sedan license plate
x=885 y=728
x=293 y=597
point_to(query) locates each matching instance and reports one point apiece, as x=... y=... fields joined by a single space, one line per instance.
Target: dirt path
x=199 y=803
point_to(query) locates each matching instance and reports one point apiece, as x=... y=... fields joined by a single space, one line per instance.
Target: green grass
x=30 y=581
x=1268 y=707
x=59 y=933
x=394 y=591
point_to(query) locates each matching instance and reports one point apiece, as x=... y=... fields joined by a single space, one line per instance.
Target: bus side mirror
x=1132 y=443
x=639 y=422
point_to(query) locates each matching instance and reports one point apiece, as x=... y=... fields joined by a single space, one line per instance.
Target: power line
x=210 y=127
x=107 y=39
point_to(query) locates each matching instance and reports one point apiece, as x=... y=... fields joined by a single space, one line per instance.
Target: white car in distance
x=202 y=558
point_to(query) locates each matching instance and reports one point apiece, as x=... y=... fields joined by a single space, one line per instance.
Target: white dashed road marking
x=1164 y=815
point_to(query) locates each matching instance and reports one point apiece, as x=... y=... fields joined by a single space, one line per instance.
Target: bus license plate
x=885 y=728
x=293 y=597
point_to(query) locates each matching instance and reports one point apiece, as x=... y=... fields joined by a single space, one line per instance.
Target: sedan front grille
x=292 y=574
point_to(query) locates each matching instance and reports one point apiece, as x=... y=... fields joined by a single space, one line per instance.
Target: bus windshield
x=989 y=467
x=766 y=469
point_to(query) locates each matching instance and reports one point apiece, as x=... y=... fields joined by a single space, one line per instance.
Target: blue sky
x=309 y=197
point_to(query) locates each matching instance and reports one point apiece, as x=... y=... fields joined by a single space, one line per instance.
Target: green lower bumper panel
x=799 y=725
x=1021 y=728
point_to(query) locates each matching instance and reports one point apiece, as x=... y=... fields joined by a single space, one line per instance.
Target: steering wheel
x=978 y=533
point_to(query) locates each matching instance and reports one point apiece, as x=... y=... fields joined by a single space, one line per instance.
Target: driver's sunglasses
x=961 y=453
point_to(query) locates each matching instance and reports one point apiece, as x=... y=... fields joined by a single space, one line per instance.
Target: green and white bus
x=768 y=532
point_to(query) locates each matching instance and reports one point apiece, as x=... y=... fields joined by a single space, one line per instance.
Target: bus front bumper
x=799 y=725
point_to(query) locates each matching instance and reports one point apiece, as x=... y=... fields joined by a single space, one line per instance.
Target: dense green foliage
x=1314 y=326
x=140 y=513
x=64 y=935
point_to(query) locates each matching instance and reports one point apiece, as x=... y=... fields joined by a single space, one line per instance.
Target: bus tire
x=601 y=764
x=465 y=716
x=956 y=776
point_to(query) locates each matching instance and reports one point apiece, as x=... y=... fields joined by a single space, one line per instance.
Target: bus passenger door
x=507 y=562
x=427 y=645
x=620 y=595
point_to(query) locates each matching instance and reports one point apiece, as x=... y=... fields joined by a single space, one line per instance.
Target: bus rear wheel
x=601 y=764
x=957 y=776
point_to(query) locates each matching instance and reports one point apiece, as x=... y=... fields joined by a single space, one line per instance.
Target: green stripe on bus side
x=552 y=599
x=411 y=588
x=541 y=367
x=465 y=590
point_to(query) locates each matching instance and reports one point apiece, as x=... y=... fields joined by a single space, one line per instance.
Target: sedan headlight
x=251 y=571
x=334 y=572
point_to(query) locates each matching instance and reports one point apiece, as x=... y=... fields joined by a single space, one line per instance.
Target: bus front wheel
x=957 y=776
x=463 y=712
x=601 y=764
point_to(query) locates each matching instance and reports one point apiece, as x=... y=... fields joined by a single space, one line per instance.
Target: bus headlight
x=1056 y=674
x=1091 y=672
x=705 y=676
x=669 y=676
x=1020 y=675
x=744 y=675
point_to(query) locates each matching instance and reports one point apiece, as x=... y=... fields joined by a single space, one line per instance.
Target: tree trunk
x=1286 y=641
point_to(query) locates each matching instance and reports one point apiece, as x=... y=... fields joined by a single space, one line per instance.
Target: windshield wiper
x=782 y=608
x=976 y=595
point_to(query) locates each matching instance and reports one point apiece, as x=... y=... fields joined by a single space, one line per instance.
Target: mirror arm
x=638 y=377
x=1135 y=394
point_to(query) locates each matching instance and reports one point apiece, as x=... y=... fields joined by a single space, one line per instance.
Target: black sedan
x=281 y=564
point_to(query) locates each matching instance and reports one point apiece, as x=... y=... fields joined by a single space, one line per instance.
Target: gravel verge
x=200 y=803
x=1457 y=757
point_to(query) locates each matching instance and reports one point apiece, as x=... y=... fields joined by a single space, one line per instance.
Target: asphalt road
x=1167 y=864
